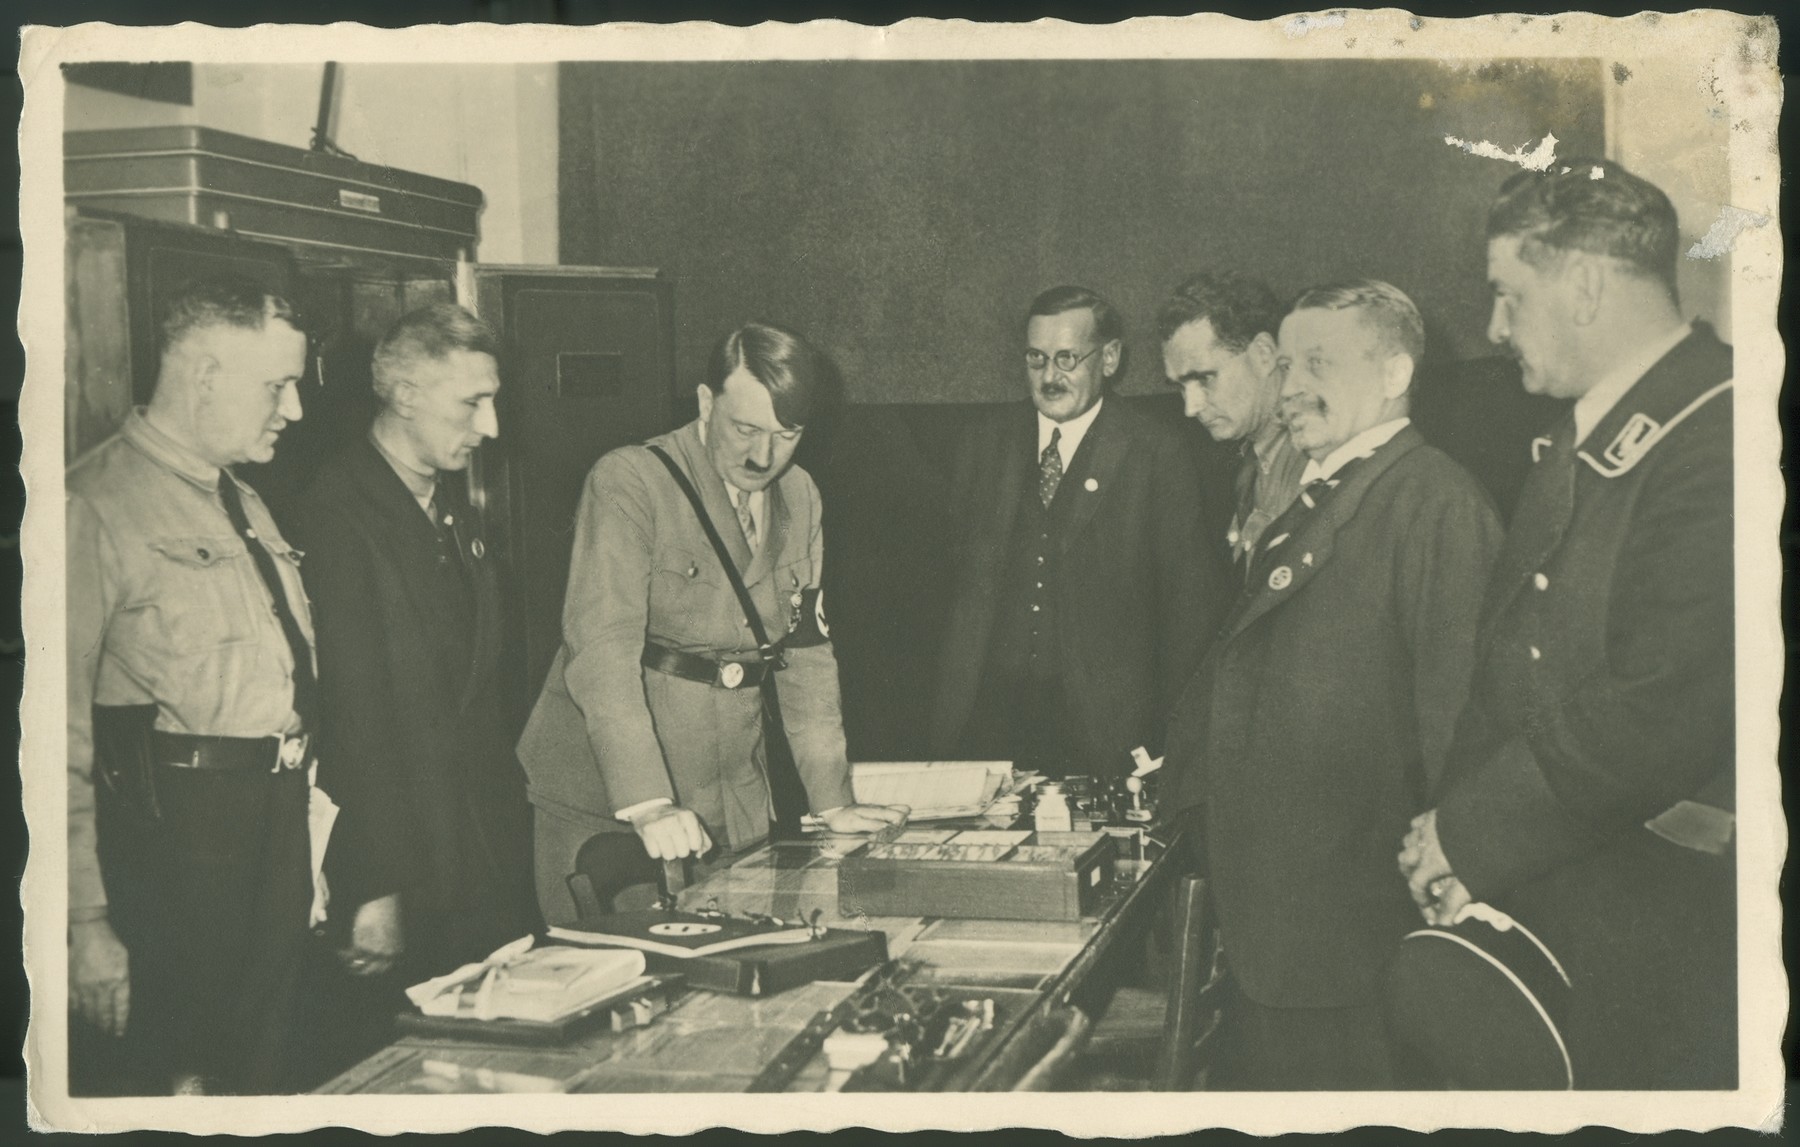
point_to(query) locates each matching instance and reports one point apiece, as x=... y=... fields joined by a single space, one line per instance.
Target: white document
x=933 y=790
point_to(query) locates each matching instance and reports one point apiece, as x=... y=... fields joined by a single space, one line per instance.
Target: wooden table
x=1041 y=975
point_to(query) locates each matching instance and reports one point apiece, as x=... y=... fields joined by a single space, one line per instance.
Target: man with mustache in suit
x=1316 y=726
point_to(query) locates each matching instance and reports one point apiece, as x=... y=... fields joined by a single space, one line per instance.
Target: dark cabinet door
x=120 y=270
x=589 y=367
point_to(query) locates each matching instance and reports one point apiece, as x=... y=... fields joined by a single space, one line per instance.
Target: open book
x=681 y=935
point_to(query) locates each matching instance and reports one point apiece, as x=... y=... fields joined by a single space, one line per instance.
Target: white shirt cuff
x=625 y=814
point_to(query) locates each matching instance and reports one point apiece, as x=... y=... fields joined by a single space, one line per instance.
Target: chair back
x=607 y=865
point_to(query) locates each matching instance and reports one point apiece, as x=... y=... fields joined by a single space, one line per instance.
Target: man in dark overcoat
x=1590 y=790
x=1085 y=586
x=428 y=862
x=1317 y=724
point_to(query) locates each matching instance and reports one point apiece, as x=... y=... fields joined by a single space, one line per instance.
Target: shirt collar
x=1278 y=444
x=1598 y=402
x=168 y=453
x=421 y=484
x=1361 y=446
x=737 y=497
x=1073 y=431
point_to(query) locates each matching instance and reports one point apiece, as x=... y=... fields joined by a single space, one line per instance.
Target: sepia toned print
x=1219 y=574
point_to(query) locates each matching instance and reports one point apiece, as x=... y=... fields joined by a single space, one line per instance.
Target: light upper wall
x=493 y=126
x=1665 y=123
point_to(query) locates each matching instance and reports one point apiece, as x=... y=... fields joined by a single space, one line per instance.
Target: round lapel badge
x=476 y=548
x=1280 y=577
x=1090 y=485
x=731 y=675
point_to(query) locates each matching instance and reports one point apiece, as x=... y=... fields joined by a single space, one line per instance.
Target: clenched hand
x=99 y=976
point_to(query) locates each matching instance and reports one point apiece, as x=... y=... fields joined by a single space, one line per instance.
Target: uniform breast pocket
x=201 y=592
x=688 y=591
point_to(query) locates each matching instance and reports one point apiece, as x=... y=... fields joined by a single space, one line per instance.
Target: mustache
x=1292 y=408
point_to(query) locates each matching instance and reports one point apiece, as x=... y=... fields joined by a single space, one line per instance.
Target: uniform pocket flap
x=199 y=551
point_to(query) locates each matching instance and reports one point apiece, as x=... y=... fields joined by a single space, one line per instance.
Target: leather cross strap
x=752 y=615
x=787 y=793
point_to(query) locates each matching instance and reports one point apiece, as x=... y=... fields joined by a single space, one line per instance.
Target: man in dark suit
x=1590 y=788
x=428 y=862
x=1085 y=588
x=1313 y=730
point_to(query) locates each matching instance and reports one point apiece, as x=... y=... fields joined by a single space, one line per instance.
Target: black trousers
x=1302 y=1049
x=210 y=900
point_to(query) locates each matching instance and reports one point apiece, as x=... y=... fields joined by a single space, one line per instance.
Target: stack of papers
x=940 y=790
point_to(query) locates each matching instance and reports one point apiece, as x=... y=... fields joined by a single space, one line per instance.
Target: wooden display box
x=993 y=875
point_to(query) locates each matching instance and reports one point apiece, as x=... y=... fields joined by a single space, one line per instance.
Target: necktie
x=305 y=684
x=1050 y=469
x=1241 y=540
x=1314 y=491
x=746 y=520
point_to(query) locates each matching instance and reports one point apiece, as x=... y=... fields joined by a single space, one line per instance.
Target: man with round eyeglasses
x=1083 y=584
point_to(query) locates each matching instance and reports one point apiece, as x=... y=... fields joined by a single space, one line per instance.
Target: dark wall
x=903 y=213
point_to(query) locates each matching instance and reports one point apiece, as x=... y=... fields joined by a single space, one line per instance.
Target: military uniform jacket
x=1138 y=587
x=166 y=608
x=1604 y=694
x=606 y=733
x=1605 y=690
x=1315 y=726
x=411 y=741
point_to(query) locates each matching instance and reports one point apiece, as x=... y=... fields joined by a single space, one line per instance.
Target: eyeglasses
x=1065 y=360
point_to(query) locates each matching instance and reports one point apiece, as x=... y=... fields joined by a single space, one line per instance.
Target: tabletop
x=712 y=1042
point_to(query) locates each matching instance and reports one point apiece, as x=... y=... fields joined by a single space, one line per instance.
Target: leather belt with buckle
x=230 y=754
x=721 y=673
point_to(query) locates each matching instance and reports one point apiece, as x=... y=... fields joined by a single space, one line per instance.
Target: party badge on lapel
x=1091 y=485
x=476 y=548
x=1280 y=577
